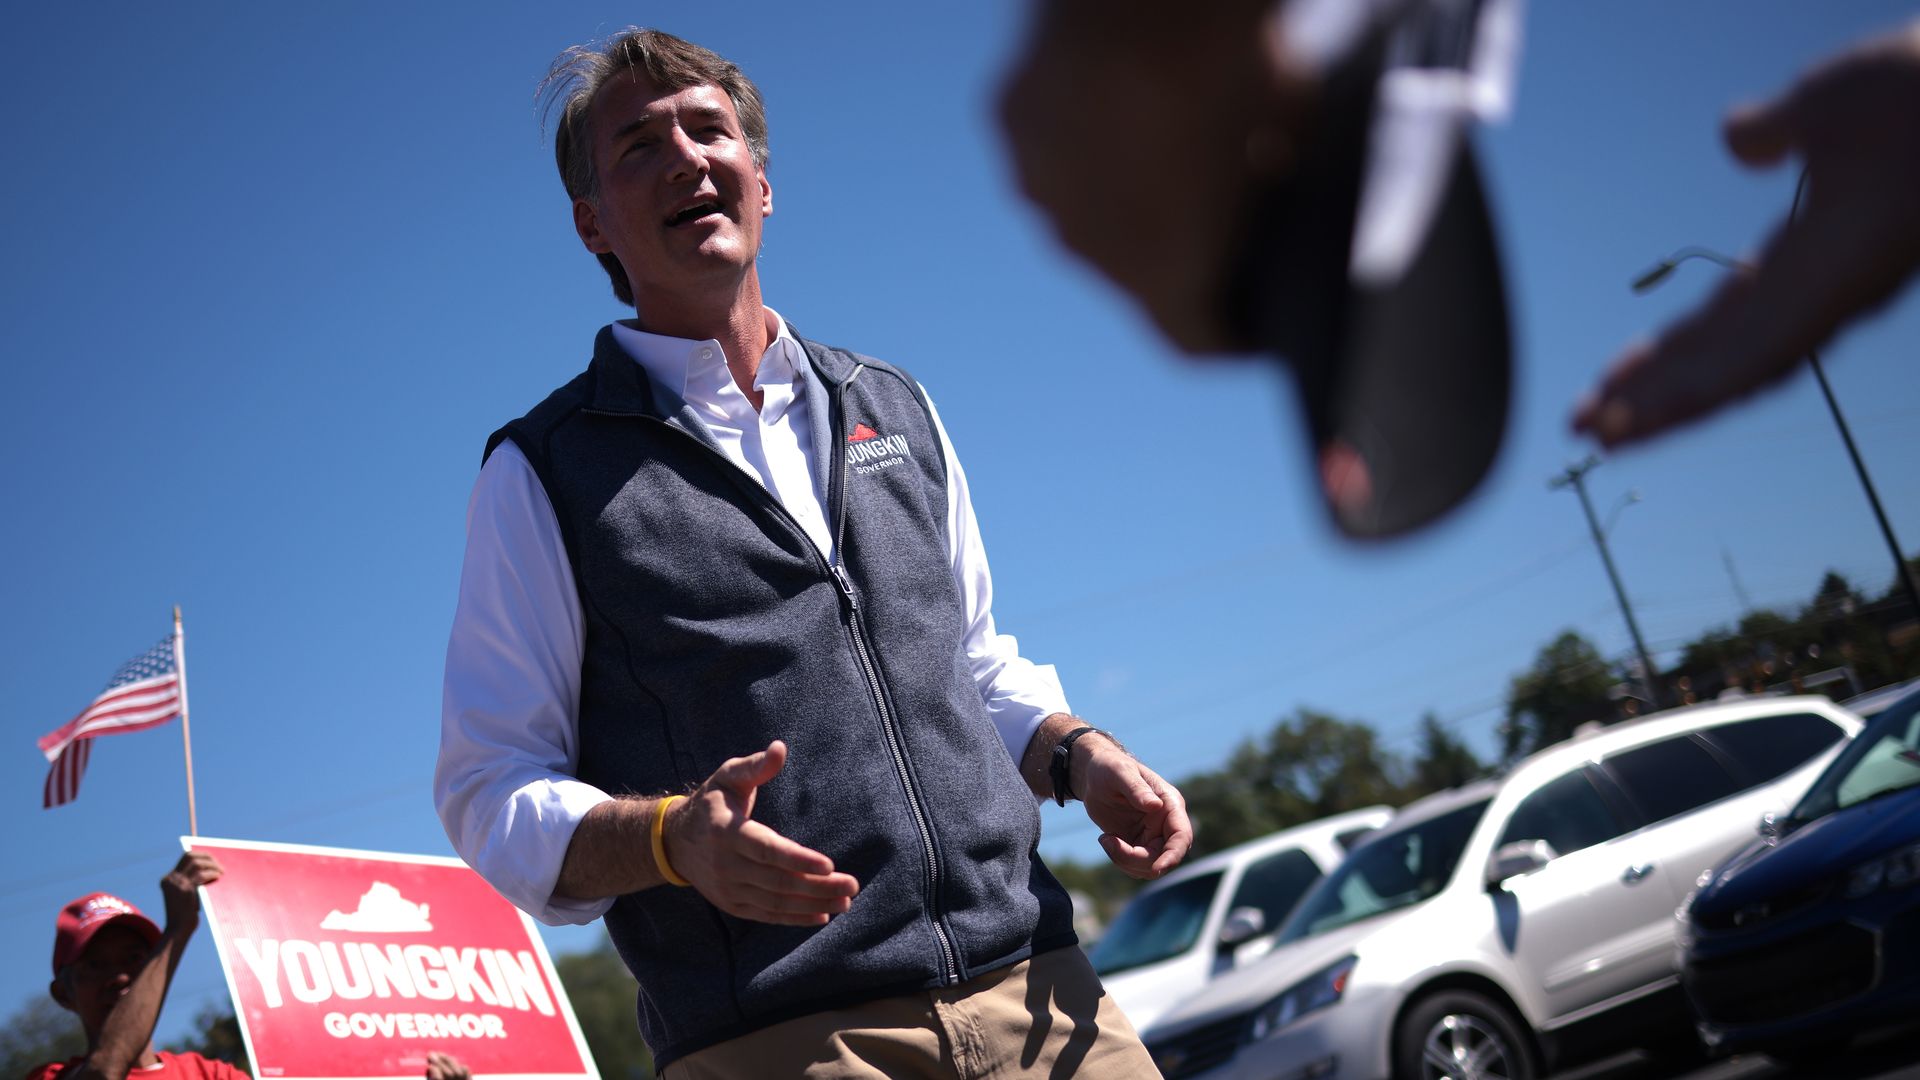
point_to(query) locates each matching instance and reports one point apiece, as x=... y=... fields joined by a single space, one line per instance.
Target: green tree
x=603 y=992
x=1568 y=685
x=1442 y=761
x=1769 y=632
x=1309 y=766
x=1714 y=652
x=1835 y=599
x=216 y=1034
x=38 y=1032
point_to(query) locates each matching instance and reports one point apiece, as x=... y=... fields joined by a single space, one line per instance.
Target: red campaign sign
x=354 y=964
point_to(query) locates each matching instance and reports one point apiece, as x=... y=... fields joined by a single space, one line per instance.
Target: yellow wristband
x=660 y=841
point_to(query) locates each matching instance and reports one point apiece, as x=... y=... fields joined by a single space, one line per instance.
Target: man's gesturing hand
x=743 y=867
x=1856 y=241
x=1142 y=818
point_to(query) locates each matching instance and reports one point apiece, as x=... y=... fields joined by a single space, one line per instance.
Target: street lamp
x=1576 y=478
x=1660 y=271
x=1619 y=507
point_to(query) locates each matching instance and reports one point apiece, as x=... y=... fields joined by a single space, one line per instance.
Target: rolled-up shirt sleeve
x=509 y=738
x=1018 y=692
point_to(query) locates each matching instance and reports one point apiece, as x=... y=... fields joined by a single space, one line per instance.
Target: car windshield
x=1395 y=869
x=1882 y=759
x=1156 y=925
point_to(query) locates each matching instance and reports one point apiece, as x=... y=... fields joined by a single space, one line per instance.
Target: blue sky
x=273 y=274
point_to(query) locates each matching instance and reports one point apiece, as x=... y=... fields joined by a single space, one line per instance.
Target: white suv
x=1502 y=928
x=1218 y=912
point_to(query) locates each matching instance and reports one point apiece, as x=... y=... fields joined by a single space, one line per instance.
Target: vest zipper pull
x=841 y=579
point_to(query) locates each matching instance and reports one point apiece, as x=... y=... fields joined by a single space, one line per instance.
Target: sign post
x=353 y=965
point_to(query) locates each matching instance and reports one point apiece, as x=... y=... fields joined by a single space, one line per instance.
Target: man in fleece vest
x=724 y=672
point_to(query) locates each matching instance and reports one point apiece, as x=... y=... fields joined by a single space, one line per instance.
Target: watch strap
x=1060 y=768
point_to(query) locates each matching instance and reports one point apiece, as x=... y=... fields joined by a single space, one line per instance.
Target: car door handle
x=1634 y=875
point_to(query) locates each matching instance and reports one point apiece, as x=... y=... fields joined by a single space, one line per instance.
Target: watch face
x=1060 y=769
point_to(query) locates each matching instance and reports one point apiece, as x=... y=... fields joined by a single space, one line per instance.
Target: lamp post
x=1575 y=477
x=1903 y=573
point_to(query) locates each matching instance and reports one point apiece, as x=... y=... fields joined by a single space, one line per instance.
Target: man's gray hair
x=669 y=63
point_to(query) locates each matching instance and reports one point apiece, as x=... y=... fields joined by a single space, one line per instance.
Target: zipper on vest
x=949 y=961
x=895 y=743
x=856 y=628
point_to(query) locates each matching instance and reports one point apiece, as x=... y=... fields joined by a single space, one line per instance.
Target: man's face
x=102 y=974
x=680 y=201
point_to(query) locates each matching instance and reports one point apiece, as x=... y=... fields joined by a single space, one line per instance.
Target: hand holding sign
x=743 y=867
x=180 y=888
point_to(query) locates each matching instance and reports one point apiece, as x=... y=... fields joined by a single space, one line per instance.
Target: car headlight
x=1311 y=994
x=1896 y=871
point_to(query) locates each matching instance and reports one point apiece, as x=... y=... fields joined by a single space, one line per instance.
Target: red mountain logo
x=868 y=451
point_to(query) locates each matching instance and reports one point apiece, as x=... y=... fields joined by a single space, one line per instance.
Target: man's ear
x=766 y=194
x=586 y=222
x=57 y=989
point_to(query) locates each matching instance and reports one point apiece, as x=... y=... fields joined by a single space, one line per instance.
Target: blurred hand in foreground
x=1855 y=123
x=1142 y=134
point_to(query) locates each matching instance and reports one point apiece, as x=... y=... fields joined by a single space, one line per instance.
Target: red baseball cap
x=87 y=916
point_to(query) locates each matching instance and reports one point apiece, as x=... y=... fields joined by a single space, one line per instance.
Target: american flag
x=144 y=692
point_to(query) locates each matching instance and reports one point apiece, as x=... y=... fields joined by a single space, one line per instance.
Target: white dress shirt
x=509 y=739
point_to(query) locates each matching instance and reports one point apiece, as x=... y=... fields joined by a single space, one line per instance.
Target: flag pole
x=186 y=735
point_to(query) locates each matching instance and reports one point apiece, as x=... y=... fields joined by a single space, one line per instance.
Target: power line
x=1135 y=589
x=130 y=859
x=1355 y=647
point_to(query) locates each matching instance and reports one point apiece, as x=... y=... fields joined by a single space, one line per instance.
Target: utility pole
x=1902 y=572
x=1903 y=576
x=1739 y=590
x=1576 y=478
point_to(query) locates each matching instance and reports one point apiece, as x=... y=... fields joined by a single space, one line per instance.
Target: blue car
x=1812 y=934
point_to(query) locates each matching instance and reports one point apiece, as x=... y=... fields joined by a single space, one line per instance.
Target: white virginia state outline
x=382 y=910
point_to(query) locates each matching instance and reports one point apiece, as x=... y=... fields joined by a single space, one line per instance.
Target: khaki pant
x=1044 y=1017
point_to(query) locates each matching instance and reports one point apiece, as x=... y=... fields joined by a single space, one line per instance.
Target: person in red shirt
x=112 y=967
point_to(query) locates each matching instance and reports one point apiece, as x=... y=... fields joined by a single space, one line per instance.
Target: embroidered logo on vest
x=868 y=451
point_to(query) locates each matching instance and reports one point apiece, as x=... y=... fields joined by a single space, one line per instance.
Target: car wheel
x=1461 y=1035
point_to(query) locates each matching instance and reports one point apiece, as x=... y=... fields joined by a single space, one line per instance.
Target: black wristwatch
x=1060 y=768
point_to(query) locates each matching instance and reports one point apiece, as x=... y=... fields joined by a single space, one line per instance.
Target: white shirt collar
x=696 y=372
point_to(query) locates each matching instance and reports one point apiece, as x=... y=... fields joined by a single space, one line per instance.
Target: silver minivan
x=1217 y=913
x=1487 y=929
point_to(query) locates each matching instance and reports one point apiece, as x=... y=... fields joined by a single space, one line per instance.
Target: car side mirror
x=1520 y=857
x=1243 y=924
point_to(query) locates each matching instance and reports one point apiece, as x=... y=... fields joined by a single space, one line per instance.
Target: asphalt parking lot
x=1891 y=1056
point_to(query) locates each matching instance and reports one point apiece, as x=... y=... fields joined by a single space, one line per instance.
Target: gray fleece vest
x=714 y=625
